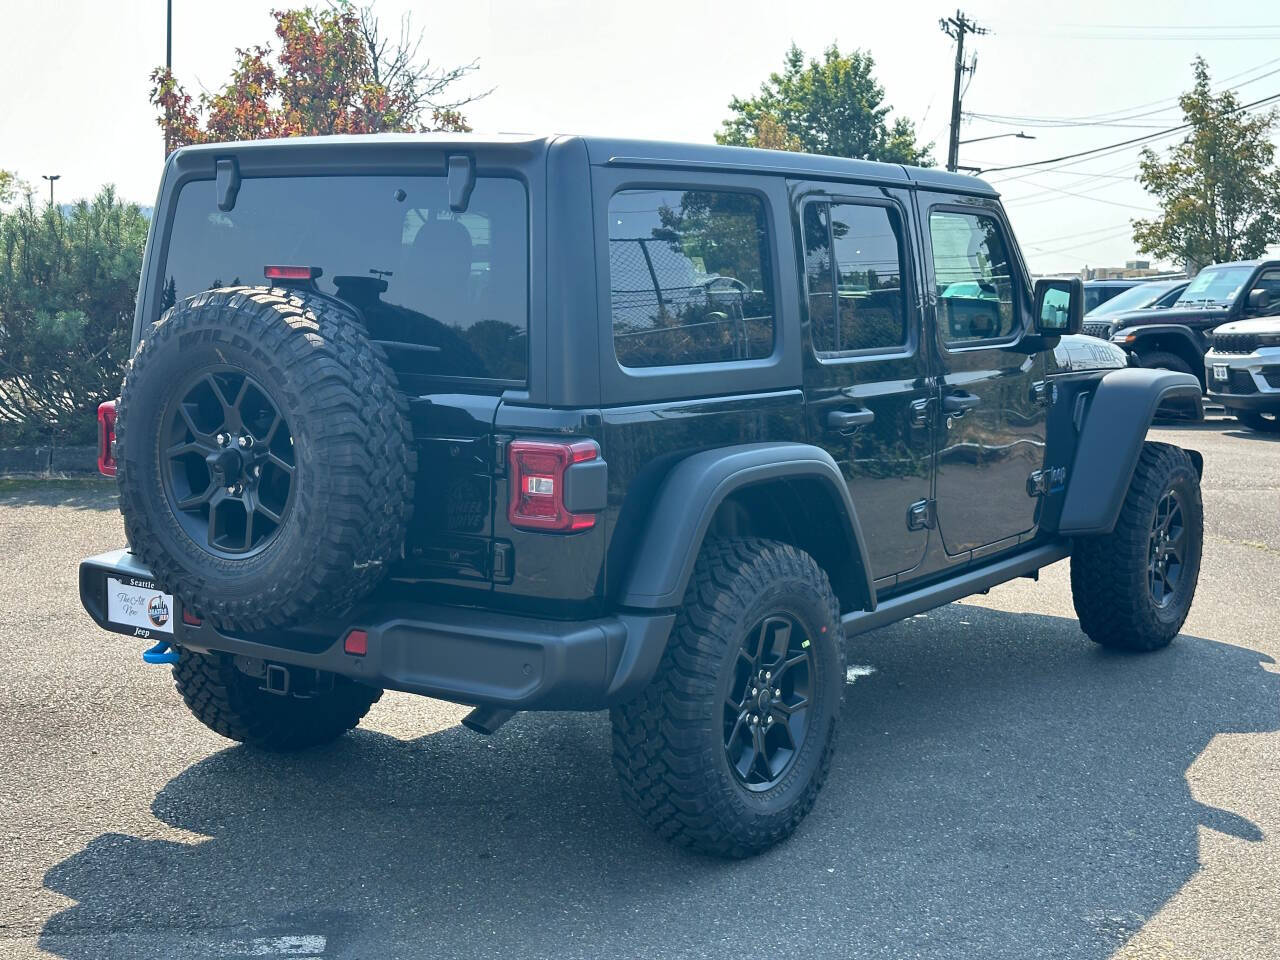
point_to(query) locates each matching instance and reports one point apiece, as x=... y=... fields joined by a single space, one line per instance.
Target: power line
x=1125 y=143
x=1112 y=174
x=1080 y=246
x=1112 y=233
x=1165 y=103
x=1083 y=233
x=1086 y=196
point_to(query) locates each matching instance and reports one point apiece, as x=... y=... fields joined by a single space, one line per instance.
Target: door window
x=690 y=278
x=853 y=268
x=974 y=277
x=1267 y=302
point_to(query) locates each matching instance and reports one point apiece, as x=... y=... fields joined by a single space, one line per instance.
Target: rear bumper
x=453 y=653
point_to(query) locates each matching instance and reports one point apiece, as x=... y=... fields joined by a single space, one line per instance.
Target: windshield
x=1095 y=296
x=1135 y=298
x=443 y=291
x=1215 y=285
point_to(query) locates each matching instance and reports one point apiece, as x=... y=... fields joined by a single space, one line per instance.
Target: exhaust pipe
x=487 y=720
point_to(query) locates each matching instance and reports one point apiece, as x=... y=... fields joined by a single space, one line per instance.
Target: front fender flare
x=688 y=499
x=1110 y=442
x=1195 y=341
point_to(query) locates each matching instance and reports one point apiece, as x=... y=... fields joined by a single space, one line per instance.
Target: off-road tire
x=1109 y=573
x=668 y=742
x=233 y=704
x=1261 y=422
x=1178 y=409
x=351 y=441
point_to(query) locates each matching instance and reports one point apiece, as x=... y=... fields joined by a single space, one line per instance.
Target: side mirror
x=1059 y=307
x=1259 y=298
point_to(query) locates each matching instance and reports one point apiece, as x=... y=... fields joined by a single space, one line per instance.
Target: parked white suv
x=1242 y=370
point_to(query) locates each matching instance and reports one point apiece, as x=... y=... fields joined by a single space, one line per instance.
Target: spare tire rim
x=227 y=462
x=766 y=711
x=1167 y=549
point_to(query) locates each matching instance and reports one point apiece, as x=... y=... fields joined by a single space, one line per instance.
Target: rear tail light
x=537 y=469
x=107 y=438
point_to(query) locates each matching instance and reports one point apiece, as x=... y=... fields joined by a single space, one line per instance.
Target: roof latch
x=228 y=182
x=462 y=178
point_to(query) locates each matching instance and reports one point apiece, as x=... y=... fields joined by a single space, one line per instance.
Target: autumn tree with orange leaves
x=335 y=72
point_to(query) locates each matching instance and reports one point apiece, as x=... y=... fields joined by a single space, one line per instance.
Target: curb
x=29 y=460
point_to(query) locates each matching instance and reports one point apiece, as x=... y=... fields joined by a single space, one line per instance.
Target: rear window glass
x=689 y=277
x=445 y=292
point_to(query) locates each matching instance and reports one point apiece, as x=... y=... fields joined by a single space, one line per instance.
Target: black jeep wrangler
x=1178 y=338
x=576 y=424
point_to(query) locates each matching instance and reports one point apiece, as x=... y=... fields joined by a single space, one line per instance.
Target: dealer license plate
x=1220 y=371
x=139 y=607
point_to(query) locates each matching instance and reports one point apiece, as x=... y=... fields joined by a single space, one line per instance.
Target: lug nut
x=245 y=442
x=257 y=470
x=754 y=718
x=768 y=676
x=755 y=691
x=777 y=693
x=768 y=722
x=223 y=439
x=231 y=489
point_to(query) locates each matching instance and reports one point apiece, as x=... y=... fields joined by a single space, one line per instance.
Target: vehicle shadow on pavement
x=1002 y=788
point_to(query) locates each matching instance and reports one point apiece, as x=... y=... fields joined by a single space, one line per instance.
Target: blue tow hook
x=161 y=653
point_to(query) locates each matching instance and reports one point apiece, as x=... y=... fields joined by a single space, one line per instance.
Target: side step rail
x=966 y=584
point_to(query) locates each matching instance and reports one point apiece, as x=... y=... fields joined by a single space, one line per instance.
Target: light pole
x=996 y=136
x=50 y=177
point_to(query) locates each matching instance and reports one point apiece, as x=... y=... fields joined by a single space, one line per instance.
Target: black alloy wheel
x=766 y=711
x=227 y=463
x=1165 y=553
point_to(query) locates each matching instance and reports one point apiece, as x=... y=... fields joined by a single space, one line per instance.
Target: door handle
x=850 y=419
x=956 y=405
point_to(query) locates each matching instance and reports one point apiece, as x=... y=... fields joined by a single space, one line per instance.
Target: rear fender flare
x=1110 y=442
x=685 y=504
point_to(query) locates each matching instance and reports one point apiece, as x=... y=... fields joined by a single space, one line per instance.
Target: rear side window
x=446 y=293
x=853 y=267
x=974 y=277
x=690 y=277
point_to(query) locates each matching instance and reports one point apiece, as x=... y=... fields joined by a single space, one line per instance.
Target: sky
x=73 y=82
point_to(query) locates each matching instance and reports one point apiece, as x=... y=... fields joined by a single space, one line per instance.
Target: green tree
x=67 y=287
x=8 y=185
x=833 y=106
x=1219 y=189
x=336 y=71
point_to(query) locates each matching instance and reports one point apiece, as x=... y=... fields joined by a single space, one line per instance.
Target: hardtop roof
x=606 y=151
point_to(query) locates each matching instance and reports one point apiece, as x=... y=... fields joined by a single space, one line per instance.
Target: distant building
x=1131 y=268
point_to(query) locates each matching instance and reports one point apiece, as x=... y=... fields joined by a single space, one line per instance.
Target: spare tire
x=265 y=459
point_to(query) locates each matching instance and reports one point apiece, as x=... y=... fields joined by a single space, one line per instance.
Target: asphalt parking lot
x=1002 y=789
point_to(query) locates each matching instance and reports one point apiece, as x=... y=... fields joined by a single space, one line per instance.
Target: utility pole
x=51 y=177
x=956 y=27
